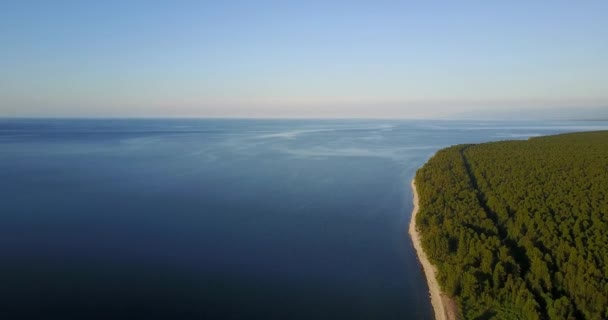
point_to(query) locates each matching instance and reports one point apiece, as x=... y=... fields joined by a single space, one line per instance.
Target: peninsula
x=515 y=229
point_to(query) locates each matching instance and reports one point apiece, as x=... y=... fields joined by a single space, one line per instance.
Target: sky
x=396 y=59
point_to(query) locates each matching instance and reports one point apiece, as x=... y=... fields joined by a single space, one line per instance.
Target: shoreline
x=443 y=307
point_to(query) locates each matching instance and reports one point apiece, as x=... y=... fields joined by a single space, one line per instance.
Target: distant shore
x=443 y=306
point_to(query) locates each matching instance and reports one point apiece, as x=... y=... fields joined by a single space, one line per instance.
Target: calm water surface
x=217 y=219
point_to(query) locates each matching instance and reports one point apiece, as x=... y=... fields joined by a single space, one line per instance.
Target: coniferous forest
x=519 y=229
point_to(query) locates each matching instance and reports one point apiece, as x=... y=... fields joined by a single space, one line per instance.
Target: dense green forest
x=519 y=229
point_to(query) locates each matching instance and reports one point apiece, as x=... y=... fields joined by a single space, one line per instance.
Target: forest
x=519 y=229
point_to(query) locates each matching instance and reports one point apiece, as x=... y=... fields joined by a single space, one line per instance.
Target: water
x=238 y=219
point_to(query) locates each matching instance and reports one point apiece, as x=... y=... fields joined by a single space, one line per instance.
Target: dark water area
x=219 y=219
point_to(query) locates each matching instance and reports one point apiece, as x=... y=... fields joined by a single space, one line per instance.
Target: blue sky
x=301 y=58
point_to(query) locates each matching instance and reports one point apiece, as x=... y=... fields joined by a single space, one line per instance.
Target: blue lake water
x=219 y=219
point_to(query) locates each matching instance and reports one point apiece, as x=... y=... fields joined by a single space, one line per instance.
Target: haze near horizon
x=313 y=59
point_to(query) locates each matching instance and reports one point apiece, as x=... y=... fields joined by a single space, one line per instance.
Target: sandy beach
x=443 y=306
